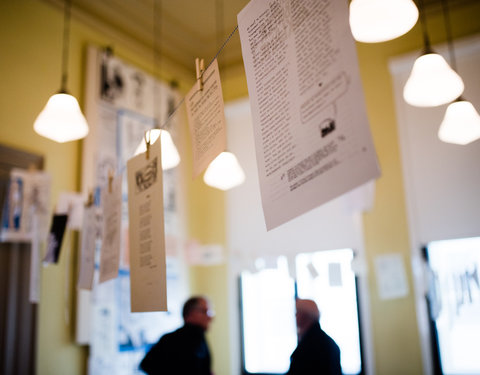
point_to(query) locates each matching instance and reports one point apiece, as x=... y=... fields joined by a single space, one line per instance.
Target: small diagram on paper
x=147 y=176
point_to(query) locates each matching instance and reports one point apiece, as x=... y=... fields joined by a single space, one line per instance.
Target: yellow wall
x=30 y=64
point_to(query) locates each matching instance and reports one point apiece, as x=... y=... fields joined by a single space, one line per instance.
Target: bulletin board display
x=121 y=103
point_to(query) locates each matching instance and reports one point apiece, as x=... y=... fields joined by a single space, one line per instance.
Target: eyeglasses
x=209 y=312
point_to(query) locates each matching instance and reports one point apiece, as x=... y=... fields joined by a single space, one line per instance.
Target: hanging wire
x=174 y=111
x=448 y=32
x=423 y=22
x=157 y=39
x=66 y=41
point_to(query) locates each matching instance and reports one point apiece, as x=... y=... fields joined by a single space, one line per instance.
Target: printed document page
x=206 y=119
x=112 y=224
x=311 y=131
x=148 y=281
x=87 y=248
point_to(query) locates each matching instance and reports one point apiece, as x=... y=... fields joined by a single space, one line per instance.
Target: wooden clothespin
x=200 y=68
x=147 y=143
x=110 y=181
x=90 y=199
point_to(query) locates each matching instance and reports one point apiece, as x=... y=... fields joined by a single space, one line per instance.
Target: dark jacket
x=184 y=351
x=316 y=353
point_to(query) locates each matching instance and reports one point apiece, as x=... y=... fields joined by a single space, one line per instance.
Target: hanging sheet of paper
x=34 y=287
x=28 y=195
x=87 y=250
x=71 y=204
x=206 y=119
x=55 y=238
x=111 y=201
x=311 y=131
x=148 y=284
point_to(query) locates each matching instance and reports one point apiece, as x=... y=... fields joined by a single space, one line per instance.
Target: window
x=454 y=299
x=327 y=278
x=268 y=317
x=268 y=310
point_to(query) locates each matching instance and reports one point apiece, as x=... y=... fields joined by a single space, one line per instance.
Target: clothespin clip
x=200 y=68
x=147 y=143
x=110 y=181
x=90 y=199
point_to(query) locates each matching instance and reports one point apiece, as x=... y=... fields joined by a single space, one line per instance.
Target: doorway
x=17 y=315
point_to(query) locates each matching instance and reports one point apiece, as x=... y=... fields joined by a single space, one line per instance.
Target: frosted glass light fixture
x=461 y=124
x=170 y=156
x=224 y=172
x=432 y=82
x=373 y=21
x=62 y=120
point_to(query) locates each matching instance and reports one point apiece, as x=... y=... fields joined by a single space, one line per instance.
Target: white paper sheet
x=391 y=276
x=87 y=250
x=311 y=131
x=71 y=204
x=28 y=195
x=146 y=232
x=206 y=119
x=112 y=223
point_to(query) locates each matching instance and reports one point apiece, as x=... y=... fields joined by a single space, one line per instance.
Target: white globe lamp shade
x=461 y=124
x=170 y=155
x=61 y=120
x=374 y=21
x=224 y=172
x=432 y=82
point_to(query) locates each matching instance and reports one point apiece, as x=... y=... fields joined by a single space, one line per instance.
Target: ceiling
x=184 y=29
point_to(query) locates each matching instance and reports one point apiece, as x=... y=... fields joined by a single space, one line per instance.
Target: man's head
x=306 y=315
x=197 y=311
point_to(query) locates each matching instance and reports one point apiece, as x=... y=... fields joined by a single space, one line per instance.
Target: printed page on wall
x=146 y=232
x=311 y=130
x=88 y=245
x=112 y=226
x=206 y=119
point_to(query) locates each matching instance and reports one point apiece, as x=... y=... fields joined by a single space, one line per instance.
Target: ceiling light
x=170 y=156
x=373 y=21
x=224 y=172
x=461 y=124
x=62 y=120
x=432 y=82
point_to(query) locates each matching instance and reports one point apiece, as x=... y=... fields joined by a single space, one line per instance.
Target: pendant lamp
x=170 y=155
x=62 y=120
x=432 y=82
x=373 y=21
x=461 y=123
x=224 y=172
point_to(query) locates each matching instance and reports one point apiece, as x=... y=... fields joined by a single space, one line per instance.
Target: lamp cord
x=156 y=57
x=66 y=44
x=423 y=24
x=448 y=32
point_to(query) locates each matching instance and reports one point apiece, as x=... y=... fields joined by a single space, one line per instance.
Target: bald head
x=307 y=314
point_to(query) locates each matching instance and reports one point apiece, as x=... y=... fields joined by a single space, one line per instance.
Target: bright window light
x=328 y=279
x=268 y=313
x=455 y=302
